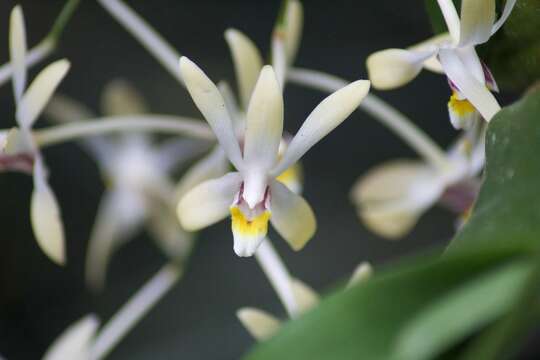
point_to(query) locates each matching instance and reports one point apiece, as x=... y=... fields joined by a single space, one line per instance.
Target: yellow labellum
x=253 y=227
x=460 y=107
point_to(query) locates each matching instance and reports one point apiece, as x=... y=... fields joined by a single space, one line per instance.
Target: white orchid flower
x=75 y=342
x=137 y=172
x=252 y=195
x=392 y=197
x=263 y=325
x=455 y=55
x=19 y=150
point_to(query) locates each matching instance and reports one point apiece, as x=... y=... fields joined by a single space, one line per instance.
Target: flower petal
x=249 y=230
x=451 y=18
x=331 y=112
x=45 y=216
x=391 y=197
x=75 y=341
x=477 y=18
x=362 y=272
x=208 y=202
x=392 y=68
x=121 y=98
x=432 y=44
x=237 y=115
x=17 y=50
x=292 y=217
x=264 y=127
x=208 y=99
x=476 y=92
x=305 y=296
x=260 y=324
x=247 y=63
x=39 y=92
x=294 y=20
x=508 y=6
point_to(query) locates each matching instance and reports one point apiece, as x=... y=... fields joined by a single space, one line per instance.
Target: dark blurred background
x=196 y=320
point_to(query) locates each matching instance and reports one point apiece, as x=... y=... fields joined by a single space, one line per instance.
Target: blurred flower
x=19 y=151
x=391 y=197
x=252 y=195
x=455 y=55
x=262 y=325
x=136 y=171
x=75 y=342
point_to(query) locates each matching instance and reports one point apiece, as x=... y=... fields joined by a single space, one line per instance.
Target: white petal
x=451 y=18
x=472 y=62
x=432 y=44
x=477 y=18
x=247 y=62
x=39 y=92
x=305 y=296
x=292 y=217
x=508 y=6
x=294 y=19
x=331 y=112
x=476 y=92
x=362 y=272
x=208 y=202
x=279 y=60
x=391 y=197
x=212 y=166
x=237 y=115
x=75 y=341
x=17 y=49
x=264 y=127
x=208 y=99
x=392 y=68
x=260 y=324
x=45 y=216
x=121 y=98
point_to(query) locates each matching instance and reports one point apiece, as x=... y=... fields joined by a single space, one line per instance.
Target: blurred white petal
x=477 y=18
x=208 y=202
x=121 y=98
x=75 y=341
x=45 y=216
x=294 y=21
x=305 y=296
x=39 y=92
x=17 y=50
x=451 y=18
x=260 y=324
x=508 y=6
x=247 y=63
x=292 y=217
x=362 y=272
x=237 y=115
x=212 y=105
x=331 y=112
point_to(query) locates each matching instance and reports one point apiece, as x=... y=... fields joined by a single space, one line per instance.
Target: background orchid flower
x=137 y=173
x=391 y=197
x=252 y=195
x=454 y=54
x=75 y=342
x=19 y=150
x=263 y=325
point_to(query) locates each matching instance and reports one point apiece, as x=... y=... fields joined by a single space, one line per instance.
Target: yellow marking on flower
x=291 y=176
x=460 y=107
x=257 y=226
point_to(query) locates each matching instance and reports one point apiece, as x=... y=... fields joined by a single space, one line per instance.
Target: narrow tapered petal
x=392 y=68
x=451 y=18
x=121 y=98
x=432 y=45
x=508 y=6
x=208 y=202
x=208 y=99
x=237 y=114
x=264 y=127
x=75 y=341
x=294 y=20
x=362 y=272
x=17 y=50
x=476 y=92
x=331 y=112
x=247 y=63
x=45 y=216
x=305 y=296
x=292 y=217
x=477 y=18
x=260 y=324
x=391 y=197
x=471 y=62
x=39 y=92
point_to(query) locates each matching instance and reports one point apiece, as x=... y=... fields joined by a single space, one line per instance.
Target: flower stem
x=386 y=114
x=156 y=123
x=278 y=275
x=134 y=310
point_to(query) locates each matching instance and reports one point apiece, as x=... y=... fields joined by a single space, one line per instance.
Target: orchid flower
x=252 y=195
x=392 y=197
x=452 y=53
x=136 y=170
x=263 y=325
x=19 y=151
x=75 y=342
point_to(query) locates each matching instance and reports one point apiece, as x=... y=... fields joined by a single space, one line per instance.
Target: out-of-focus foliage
x=428 y=305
